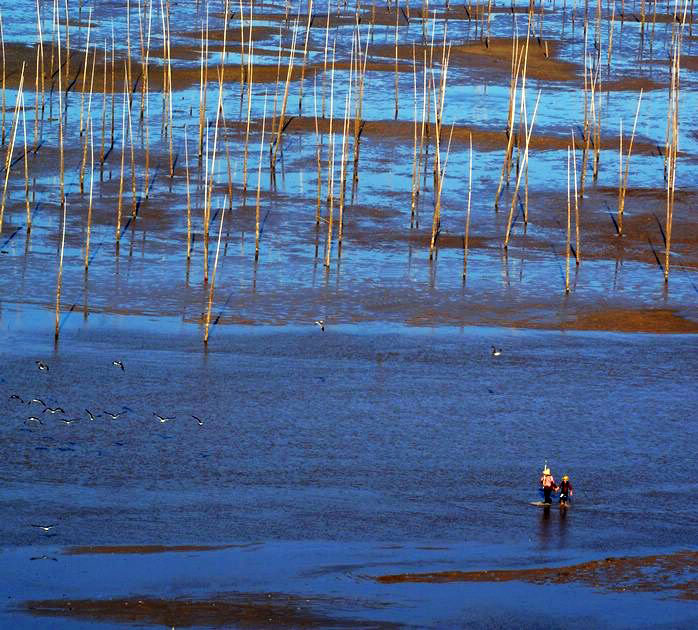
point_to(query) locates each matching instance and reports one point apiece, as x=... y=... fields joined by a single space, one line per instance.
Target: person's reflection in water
x=544 y=529
x=563 y=528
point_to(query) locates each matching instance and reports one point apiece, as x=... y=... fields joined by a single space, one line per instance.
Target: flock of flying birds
x=38 y=419
x=47 y=409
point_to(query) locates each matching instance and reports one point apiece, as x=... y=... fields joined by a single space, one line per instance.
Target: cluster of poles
x=137 y=72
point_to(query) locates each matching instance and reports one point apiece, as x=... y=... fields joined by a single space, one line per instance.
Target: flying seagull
x=69 y=420
x=163 y=418
x=41 y=365
x=199 y=421
x=321 y=323
x=46 y=528
x=54 y=409
x=119 y=364
x=496 y=351
x=114 y=416
x=33 y=419
x=38 y=401
x=92 y=416
x=16 y=397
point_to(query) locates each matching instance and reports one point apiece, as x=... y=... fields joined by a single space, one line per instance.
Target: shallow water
x=327 y=446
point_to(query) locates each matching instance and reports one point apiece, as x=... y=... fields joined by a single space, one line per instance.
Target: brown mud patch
x=140 y=549
x=632 y=320
x=495 y=55
x=630 y=84
x=673 y=574
x=483 y=139
x=255 y=610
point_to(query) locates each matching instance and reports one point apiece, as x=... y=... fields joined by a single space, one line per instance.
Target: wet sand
x=672 y=574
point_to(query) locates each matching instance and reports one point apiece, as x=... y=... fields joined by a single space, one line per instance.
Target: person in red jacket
x=548 y=484
x=566 y=491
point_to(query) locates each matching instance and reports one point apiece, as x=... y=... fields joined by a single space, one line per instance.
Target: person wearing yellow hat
x=566 y=491
x=548 y=484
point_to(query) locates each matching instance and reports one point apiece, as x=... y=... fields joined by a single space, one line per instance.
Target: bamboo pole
x=397 y=21
x=89 y=206
x=202 y=96
x=113 y=84
x=506 y=166
x=318 y=154
x=305 y=55
x=211 y=175
x=415 y=172
x=247 y=126
x=41 y=49
x=567 y=243
x=343 y=165
x=59 y=279
x=132 y=148
x=330 y=169
x=61 y=164
x=123 y=161
x=2 y=42
x=11 y=146
x=674 y=94
x=186 y=170
x=324 y=63
x=259 y=182
x=83 y=164
x=280 y=126
x=67 y=42
x=577 y=252
x=467 y=215
x=84 y=74
x=36 y=102
x=518 y=179
x=145 y=104
x=206 y=206
x=104 y=113
x=242 y=47
x=624 y=187
x=26 y=170
x=213 y=276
